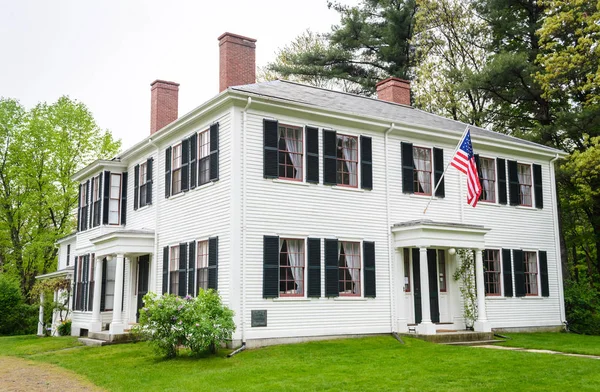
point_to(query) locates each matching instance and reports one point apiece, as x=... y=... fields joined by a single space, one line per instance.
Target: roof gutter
x=243 y=225
x=156 y=210
x=391 y=251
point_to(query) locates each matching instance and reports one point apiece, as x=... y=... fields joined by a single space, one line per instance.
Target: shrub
x=16 y=317
x=64 y=328
x=582 y=305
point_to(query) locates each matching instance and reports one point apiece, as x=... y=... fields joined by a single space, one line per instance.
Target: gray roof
x=365 y=106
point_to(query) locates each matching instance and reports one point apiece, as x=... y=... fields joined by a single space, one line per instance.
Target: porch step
x=92 y=342
x=109 y=338
x=454 y=337
x=475 y=342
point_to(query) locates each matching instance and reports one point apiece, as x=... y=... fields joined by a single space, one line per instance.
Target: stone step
x=111 y=338
x=92 y=342
x=475 y=342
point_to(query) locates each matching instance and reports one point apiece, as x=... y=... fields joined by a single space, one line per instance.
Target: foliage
x=199 y=323
x=465 y=273
x=40 y=150
x=372 y=42
x=62 y=285
x=16 y=317
x=582 y=306
x=64 y=328
x=366 y=364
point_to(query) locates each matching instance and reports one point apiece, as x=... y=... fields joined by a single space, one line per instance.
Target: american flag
x=464 y=160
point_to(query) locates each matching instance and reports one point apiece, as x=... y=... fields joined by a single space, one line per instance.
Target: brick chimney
x=163 y=104
x=394 y=90
x=237 y=60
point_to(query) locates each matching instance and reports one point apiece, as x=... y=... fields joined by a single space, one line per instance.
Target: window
x=109 y=288
x=114 y=210
x=422 y=171
x=488 y=179
x=290 y=152
x=96 y=186
x=492 y=271
x=68 y=253
x=84 y=210
x=176 y=170
x=349 y=268
x=441 y=256
x=174 y=270
x=524 y=174
x=202 y=266
x=143 y=175
x=406 y=270
x=96 y=201
x=347 y=160
x=203 y=157
x=531 y=273
x=291 y=268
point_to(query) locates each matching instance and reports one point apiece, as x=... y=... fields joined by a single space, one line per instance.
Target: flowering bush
x=64 y=328
x=200 y=323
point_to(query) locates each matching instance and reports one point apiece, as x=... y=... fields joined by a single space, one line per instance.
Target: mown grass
x=367 y=364
x=564 y=342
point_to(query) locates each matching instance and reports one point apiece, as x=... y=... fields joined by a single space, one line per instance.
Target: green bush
x=64 y=328
x=200 y=323
x=16 y=317
x=582 y=305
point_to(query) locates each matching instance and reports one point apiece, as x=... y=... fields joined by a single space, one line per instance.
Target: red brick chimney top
x=237 y=60
x=164 y=104
x=394 y=90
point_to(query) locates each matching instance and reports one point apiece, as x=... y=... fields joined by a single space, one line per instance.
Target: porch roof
x=425 y=233
x=130 y=242
x=62 y=272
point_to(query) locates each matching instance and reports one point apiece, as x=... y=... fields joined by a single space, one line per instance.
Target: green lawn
x=367 y=364
x=564 y=342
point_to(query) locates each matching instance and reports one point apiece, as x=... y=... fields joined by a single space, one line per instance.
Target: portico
x=424 y=239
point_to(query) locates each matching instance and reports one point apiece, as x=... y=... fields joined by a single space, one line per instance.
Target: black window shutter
x=91 y=205
x=513 y=184
x=79 y=209
x=314 y=268
x=369 y=264
x=213 y=263
x=479 y=174
x=214 y=152
x=544 y=273
x=507 y=273
x=270 y=149
x=312 y=155
x=168 y=172
x=332 y=288
x=103 y=287
x=105 y=197
x=329 y=157
x=366 y=163
x=149 y=163
x=191 y=268
x=165 y=270
x=537 y=186
x=182 y=289
x=193 y=160
x=75 y=262
x=408 y=167
x=88 y=198
x=185 y=165
x=124 y=198
x=519 y=273
x=97 y=204
x=438 y=171
x=86 y=282
x=270 y=266
x=501 y=173
x=136 y=186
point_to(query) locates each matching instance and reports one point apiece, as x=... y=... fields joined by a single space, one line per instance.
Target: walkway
x=537 y=351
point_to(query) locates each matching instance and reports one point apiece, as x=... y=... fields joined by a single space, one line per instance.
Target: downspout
x=156 y=209
x=559 y=276
x=389 y=229
x=243 y=226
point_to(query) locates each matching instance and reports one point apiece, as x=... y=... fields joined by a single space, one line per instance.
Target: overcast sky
x=106 y=53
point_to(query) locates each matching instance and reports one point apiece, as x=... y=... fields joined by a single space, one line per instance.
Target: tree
x=40 y=150
x=371 y=43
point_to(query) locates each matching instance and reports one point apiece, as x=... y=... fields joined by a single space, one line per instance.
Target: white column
x=426 y=327
x=40 y=330
x=117 y=326
x=96 y=325
x=482 y=324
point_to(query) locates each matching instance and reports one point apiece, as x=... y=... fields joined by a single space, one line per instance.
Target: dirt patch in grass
x=18 y=374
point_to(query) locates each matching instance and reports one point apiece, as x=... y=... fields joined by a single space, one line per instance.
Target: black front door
x=434 y=300
x=417 y=284
x=143 y=278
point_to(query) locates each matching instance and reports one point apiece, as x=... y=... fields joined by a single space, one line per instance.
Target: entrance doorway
x=434 y=302
x=143 y=280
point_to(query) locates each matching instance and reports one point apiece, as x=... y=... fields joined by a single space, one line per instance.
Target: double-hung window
x=84 y=208
x=488 y=179
x=174 y=270
x=202 y=266
x=531 y=273
x=114 y=205
x=142 y=178
x=290 y=151
x=96 y=201
x=291 y=267
x=203 y=157
x=524 y=175
x=422 y=171
x=492 y=272
x=349 y=268
x=109 y=288
x=347 y=160
x=176 y=170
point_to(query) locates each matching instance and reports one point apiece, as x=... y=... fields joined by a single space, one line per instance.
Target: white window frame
x=501 y=281
x=118 y=199
x=362 y=270
x=176 y=169
x=200 y=156
x=537 y=277
x=196 y=263
x=176 y=270
x=142 y=180
x=495 y=181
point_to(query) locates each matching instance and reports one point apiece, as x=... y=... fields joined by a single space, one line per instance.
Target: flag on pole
x=464 y=161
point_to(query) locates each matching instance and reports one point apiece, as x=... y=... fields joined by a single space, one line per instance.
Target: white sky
x=106 y=53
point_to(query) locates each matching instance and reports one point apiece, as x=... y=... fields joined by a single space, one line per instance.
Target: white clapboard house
x=304 y=208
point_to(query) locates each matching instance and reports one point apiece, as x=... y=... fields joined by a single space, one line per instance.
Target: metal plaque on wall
x=259 y=318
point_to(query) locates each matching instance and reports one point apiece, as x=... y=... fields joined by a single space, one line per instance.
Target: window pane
x=291 y=267
x=347 y=160
x=422 y=172
x=349 y=265
x=290 y=152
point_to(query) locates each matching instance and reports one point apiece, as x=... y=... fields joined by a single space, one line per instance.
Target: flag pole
x=446 y=169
